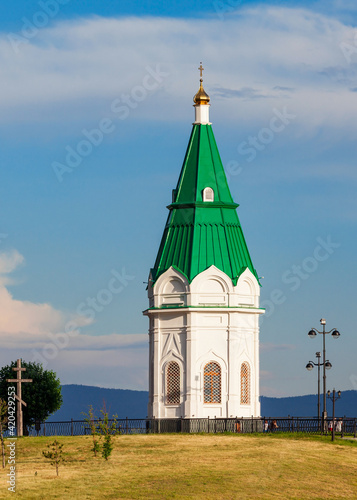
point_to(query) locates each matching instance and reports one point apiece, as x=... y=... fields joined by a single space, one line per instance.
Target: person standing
x=338 y=427
x=274 y=426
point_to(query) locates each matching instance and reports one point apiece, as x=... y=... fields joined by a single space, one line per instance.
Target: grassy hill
x=133 y=404
x=217 y=467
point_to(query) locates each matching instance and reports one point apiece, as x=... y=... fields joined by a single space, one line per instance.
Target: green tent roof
x=199 y=234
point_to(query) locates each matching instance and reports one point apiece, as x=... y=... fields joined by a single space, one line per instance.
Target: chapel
x=203 y=294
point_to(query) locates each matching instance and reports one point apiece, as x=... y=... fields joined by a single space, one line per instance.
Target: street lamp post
x=309 y=367
x=333 y=399
x=335 y=334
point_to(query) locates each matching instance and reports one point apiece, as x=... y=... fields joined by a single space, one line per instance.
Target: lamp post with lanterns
x=309 y=367
x=335 y=334
x=333 y=399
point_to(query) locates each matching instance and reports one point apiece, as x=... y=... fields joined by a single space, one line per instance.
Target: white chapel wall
x=209 y=331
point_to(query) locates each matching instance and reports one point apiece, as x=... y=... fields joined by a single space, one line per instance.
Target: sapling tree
x=107 y=429
x=93 y=426
x=54 y=454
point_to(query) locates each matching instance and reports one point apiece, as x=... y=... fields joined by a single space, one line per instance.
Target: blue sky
x=66 y=234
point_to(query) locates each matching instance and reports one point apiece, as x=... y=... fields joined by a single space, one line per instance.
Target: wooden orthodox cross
x=19 y=380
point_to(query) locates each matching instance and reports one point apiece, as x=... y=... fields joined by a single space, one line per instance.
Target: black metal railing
x=242 y=425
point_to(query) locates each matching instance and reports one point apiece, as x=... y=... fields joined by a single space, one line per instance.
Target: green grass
x=346 y=441
x=182 y=466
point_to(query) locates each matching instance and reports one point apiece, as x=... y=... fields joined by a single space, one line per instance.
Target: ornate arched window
x=244 y=384
x=212 y=383
x=208 y=194
x=173 y=383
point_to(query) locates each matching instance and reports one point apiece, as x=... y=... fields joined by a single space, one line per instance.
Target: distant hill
x=133 y=404
x=306 y=406
x=77 y=398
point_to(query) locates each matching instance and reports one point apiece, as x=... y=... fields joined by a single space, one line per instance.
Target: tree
x=104 y=428
x=108 y=430
x=54 y=454
x=90 y=418
x=43 y=396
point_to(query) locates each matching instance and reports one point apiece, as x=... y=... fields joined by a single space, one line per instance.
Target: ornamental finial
x=201 y=68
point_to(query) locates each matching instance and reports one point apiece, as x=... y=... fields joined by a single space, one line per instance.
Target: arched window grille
x=208 y=194
x=173 y=383
x=244 y=384
x=212 y=383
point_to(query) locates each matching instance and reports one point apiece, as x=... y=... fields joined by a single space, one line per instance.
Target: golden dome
x=201 y=97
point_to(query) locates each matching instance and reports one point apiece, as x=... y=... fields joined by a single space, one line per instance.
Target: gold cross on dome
x=201 y=68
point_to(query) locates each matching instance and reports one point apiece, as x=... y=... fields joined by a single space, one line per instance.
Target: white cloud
x=347 y=5
x=121 y=368
x=35 y=332
x=9 y=261
x=75 y=342
x=95 y=60
x=21 y=320
x=18 y=316
x=269 y=346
